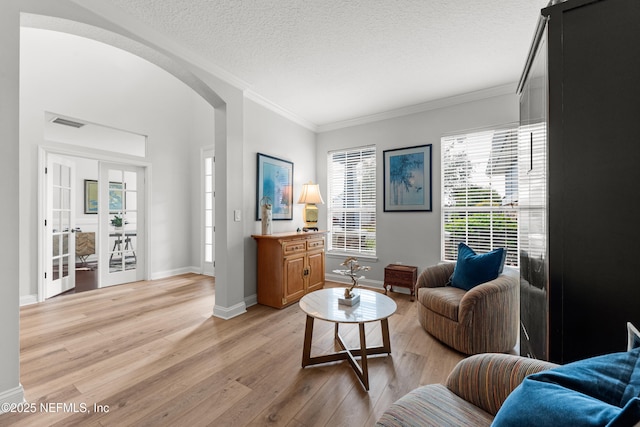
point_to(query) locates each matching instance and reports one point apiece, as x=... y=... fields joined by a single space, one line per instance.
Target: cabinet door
x=316 y=271
x=294 y=268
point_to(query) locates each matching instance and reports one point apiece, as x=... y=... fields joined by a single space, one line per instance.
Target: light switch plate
x=236 y=215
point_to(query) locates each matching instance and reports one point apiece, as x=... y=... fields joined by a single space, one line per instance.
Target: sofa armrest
x=486 y=380
x=435 y=276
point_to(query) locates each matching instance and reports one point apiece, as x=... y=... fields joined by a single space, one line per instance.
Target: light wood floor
x=153 y=355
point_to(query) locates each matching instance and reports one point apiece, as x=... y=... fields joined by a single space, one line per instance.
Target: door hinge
x=45 y=275
x=45 y=170
x=45 y=222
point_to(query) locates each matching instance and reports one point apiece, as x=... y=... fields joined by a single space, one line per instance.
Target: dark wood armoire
x=579 y=180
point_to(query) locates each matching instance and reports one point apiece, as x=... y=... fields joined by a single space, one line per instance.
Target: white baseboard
x=227 y=313
x=251 y=300
x=12 y=396
x=28 y=299
x=364 y=282
x=376 y=284
x=176 y=272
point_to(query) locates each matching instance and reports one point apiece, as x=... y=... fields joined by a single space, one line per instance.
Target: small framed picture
x=407 y=179
x=275 y=181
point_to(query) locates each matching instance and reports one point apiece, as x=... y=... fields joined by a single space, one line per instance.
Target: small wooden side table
x=404 y=276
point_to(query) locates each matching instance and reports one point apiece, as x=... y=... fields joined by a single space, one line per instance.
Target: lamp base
x=310 y=229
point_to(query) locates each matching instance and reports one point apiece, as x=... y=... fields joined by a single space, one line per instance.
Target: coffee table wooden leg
x=363 y=358
x=308 y=335
x=386 y=342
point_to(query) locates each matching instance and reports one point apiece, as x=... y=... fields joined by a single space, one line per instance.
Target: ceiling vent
x=66 y=122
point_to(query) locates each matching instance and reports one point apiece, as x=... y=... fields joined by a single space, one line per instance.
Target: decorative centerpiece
x=350 y=297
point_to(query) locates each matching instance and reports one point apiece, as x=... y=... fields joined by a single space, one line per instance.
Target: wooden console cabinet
x=290 y=265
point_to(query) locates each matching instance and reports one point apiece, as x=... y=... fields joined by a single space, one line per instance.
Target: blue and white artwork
x=275 y=181
x=407 y=179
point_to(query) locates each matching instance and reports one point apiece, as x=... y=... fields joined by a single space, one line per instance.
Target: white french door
x=121 y=209
x=60 y=239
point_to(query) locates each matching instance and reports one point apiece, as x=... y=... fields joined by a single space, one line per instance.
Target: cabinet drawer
x=398 y=276
x=315 y=244
x=294 y=247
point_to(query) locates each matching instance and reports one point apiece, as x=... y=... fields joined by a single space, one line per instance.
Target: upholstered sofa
x=483 y=319
x=504 y=390
x=472 y=395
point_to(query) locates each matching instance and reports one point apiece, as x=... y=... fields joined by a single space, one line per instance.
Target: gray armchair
x=484 y=319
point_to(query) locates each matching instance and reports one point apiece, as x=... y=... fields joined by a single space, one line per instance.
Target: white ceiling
x=329 y=61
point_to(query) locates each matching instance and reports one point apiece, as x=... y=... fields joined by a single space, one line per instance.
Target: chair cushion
x=473 y=269
x=599 y=391
x=444 y=301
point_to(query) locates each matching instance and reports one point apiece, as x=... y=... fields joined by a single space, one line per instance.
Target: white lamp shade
x=310 y=194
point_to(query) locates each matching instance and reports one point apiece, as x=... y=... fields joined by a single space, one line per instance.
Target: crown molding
x=261 y=100
x=425 y=106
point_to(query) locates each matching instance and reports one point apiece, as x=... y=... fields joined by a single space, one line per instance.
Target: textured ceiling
x=328 y=61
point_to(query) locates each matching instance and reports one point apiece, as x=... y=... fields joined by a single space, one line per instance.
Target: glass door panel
x=122 y=223
x=59 y=226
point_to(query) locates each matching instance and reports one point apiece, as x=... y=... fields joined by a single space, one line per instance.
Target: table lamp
x=310 y=196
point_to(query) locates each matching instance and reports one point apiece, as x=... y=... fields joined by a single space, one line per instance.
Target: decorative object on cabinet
x=310 y=196
x=275 y=180
x=403 y=276
x=290 y=265
x=578 y=123
x=352 y=271
x=266 y=206
x=407 y=179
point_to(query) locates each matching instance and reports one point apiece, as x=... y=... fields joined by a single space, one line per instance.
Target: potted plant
x=352 y=271
x=117 y=222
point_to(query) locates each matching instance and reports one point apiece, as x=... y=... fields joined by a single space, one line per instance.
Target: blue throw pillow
x=472 y=269
x=600 y=391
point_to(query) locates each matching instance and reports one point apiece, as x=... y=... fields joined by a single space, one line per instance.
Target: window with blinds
x=480 y=192
x=352 y=201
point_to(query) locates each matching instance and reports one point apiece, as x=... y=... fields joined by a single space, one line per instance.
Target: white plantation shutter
x=480 y=192
x=352 y=201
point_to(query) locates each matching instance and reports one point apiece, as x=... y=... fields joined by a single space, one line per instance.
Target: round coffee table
x=323 y=305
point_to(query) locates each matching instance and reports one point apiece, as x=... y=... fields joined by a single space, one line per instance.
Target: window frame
x=480 y=222
x=362 y=207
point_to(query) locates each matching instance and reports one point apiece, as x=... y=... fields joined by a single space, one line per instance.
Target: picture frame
x=275 y=181
x=90 y=196
x=116 y=196
x=407 y=177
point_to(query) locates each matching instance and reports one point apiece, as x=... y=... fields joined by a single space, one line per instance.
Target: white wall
x=268 y=133
x=412 y=238
x=10 y=388
x=88 y=80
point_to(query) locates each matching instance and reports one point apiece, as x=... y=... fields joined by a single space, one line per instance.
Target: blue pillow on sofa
x=600 y=391
x=472 y=269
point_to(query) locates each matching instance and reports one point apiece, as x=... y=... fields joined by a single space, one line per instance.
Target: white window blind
x=480 y=192
x=352 y=201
